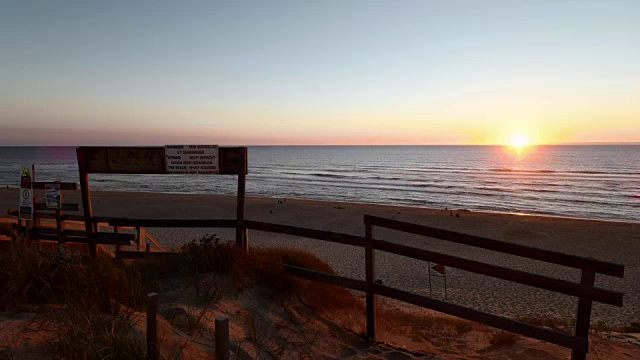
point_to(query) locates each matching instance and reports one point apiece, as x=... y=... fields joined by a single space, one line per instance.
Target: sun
x=519 y=141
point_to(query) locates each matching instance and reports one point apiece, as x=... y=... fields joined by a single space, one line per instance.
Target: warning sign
x=53 y=196
x=26 y=195
x=192 y=159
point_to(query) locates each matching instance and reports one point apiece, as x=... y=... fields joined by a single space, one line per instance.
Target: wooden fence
x=585 y=291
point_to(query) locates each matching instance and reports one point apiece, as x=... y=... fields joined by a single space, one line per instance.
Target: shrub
x=83 y=334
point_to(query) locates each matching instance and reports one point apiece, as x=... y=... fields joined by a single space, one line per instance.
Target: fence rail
x=530 y=252
x=585 y=290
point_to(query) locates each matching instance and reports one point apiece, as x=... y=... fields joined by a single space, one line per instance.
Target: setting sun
x=519 y=141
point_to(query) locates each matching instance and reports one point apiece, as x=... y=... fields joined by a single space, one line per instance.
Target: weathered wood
x=326 y=278
x=536 y=332
x=135 y=255
x=517 y=327
x=64 y=207
x=241 y=233
x=521 y=277
x=222 y=338
x=83 y=162
x=530 y=252
x=370 y=273
x=40 y=185
x=60 y=226
x=153 y=352
x=346 y=239
x=176 y=223
x=116 y=230
x=148 y=160
x=101 y=237
x=229 y=160
x=583 y=318
x=140 y=237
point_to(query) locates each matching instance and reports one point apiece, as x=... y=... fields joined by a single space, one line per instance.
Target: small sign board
x=192 y=159
x=439 y=268
x=53 y=196
x=26 y=195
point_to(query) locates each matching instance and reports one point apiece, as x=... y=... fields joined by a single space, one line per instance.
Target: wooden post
x=59 y=222
x=148 y=249
x=152 y=336
x=222 y=338
x=116 y=230
x=370 y=278
x=86 y=200
x=242 y=239
x=583 y=318
x=35 y=221
x=140 y=241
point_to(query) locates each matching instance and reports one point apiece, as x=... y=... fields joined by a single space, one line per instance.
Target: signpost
x=26 y=195
x=192 y=159
x=170 y=159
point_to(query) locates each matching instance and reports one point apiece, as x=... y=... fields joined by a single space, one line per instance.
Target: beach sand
x=610 y=241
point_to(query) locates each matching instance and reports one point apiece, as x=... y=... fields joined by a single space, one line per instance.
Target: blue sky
x=302 y=72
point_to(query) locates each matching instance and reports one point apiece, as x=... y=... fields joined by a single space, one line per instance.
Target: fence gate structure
x=175 y=159
x=585 y=291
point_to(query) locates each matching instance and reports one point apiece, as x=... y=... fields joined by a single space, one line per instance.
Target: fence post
x=242 y=238
x=370 y=278
x=222 y=338
x=583 y=318
x=138 y=237
x=152 y=336
x=116 y=230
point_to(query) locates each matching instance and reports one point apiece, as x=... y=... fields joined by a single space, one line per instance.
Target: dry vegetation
x=81 y=304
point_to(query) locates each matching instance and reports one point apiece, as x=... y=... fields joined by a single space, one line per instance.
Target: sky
x=318 y=72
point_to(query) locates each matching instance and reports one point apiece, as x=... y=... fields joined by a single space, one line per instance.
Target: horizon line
x=580 y=143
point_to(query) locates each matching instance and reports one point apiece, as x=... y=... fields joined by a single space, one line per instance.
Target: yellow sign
x=26 y=173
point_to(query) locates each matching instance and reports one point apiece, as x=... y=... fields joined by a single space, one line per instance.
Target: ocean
x=594 y=182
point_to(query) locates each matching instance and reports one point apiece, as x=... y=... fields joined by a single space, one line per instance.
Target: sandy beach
x=610 y=241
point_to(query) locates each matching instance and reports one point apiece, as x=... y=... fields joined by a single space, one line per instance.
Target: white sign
x=26 y=195
x=53 y=196
x=192 y=159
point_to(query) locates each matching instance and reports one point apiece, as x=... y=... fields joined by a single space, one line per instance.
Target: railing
x=69 y=233
x=585 y=290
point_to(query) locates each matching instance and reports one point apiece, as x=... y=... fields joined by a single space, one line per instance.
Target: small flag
x=439 y=268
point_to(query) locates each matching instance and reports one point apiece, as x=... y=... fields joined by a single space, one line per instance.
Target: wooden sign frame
x=151 y=160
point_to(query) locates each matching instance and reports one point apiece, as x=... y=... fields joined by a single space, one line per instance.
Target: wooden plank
x=186 y=223
x=63 y=207
x=153 y=348
x=60 y=226
x=530 y=252
x=499 y=272
x=85 y=159
x=583 y=318
x=104 y=237
x=230 y=160
x=40 y=185
x=73 y=217
x=536 y=332
x=241 y=238
x=514 y=326
x=326 y=278
x=136 y=255
x=308 y=233
x=149 y=160
x=222 y=338
x=124 y=160
x=370 y=273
